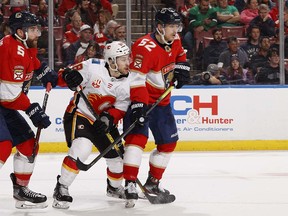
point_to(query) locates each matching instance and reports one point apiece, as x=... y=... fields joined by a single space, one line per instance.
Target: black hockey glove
x=138 y=112
x=45 y=74
x=181 y=74
x=104 y=124
x=72 y=78
x=37 y=116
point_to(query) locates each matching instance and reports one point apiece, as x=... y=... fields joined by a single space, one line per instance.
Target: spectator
x=261 y=58
x=276 y=43
x=184 y=12
x=42 y=14
x=263 y=20
x=65 y=5
x=78 y=47
x=233 y=50
x=252 y=45
x=235 y=74
x=93 y=51
x=249 y=13
x=107 y=35
x=120 y=33
x=212 y=52
x=269 y=3
x=202 y=18
x=73 y=34
x=270 y=73
x=4 y=29
x=86 y=13
x=227 y=15
x=210 y=77
x=240 y=5
x=103 y=19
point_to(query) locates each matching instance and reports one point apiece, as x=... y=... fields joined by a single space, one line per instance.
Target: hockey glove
x=139 y=113
x=181 y=74
x=45 y=74
x=104 y=124
x=72 y=78
x=37 y=116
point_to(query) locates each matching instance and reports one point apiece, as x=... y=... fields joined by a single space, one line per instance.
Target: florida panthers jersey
x=17 y=64
x=152 y=68
x=105 y=93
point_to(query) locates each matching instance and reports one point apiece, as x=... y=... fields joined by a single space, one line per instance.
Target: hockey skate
x=25 y=198
x=61 y=196
x=130 y=194
x=115 y=192
x=153 y=188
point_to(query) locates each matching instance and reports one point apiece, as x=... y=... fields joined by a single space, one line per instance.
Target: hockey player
x=158 y=60
x=17 y=63
x=106 y=86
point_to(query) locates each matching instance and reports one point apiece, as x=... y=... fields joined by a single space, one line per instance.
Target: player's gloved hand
x=72 y=78
x=37 y=116
x=139 y=110
x=104 y=124
x=45 y=74
x=181 y=74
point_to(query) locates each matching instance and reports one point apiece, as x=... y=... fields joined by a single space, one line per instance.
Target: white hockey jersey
x=105 y=93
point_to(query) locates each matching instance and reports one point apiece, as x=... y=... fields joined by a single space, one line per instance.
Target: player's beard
x=32 y=43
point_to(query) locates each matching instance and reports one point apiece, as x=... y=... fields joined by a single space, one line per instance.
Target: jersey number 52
x=149 y=45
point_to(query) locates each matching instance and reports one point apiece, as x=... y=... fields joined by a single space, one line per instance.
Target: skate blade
x=60 y=204
x=130 y=203
x=28 y=205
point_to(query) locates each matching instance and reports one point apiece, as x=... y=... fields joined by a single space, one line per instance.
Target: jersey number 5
x=149 y=45
x=20 y=51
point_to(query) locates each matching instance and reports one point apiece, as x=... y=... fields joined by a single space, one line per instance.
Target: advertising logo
x=195 y=113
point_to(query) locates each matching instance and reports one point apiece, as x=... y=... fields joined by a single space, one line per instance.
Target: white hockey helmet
x=114 y=50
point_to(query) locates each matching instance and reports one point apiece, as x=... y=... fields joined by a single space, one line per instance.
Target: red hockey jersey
x=152 y=68
x=17 y=64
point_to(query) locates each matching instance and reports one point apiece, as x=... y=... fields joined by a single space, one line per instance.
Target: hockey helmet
x=21 y=20
x=114 y=50
x=167 y=16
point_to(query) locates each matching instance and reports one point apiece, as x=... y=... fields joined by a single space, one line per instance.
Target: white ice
x=204 y=183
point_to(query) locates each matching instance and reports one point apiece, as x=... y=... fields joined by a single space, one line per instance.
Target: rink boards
x=207 y=117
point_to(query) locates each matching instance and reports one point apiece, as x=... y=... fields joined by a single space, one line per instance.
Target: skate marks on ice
x=205 y=184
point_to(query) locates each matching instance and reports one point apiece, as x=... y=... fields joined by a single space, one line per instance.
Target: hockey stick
x=44 y=105
x=160 y=199
x=85 y=167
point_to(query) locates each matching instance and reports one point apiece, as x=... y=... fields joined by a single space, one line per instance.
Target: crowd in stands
x=240 y=37
x=81 y=27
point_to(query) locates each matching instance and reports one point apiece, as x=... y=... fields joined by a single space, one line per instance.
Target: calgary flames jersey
x=105 y=93
x=152 y=68
x=17 y=64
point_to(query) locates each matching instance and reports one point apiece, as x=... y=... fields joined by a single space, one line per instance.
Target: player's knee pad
x=169 y=147
x=136 y=139
x=6 y=149
x=81 y=148
x=26 y=148
x=115 y=165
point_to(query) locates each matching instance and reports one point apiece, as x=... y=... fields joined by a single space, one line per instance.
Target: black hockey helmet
x=21 y=20
x=167 y=16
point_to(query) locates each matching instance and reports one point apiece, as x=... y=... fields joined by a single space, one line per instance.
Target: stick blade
x=162 y=198
x=81 y=165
